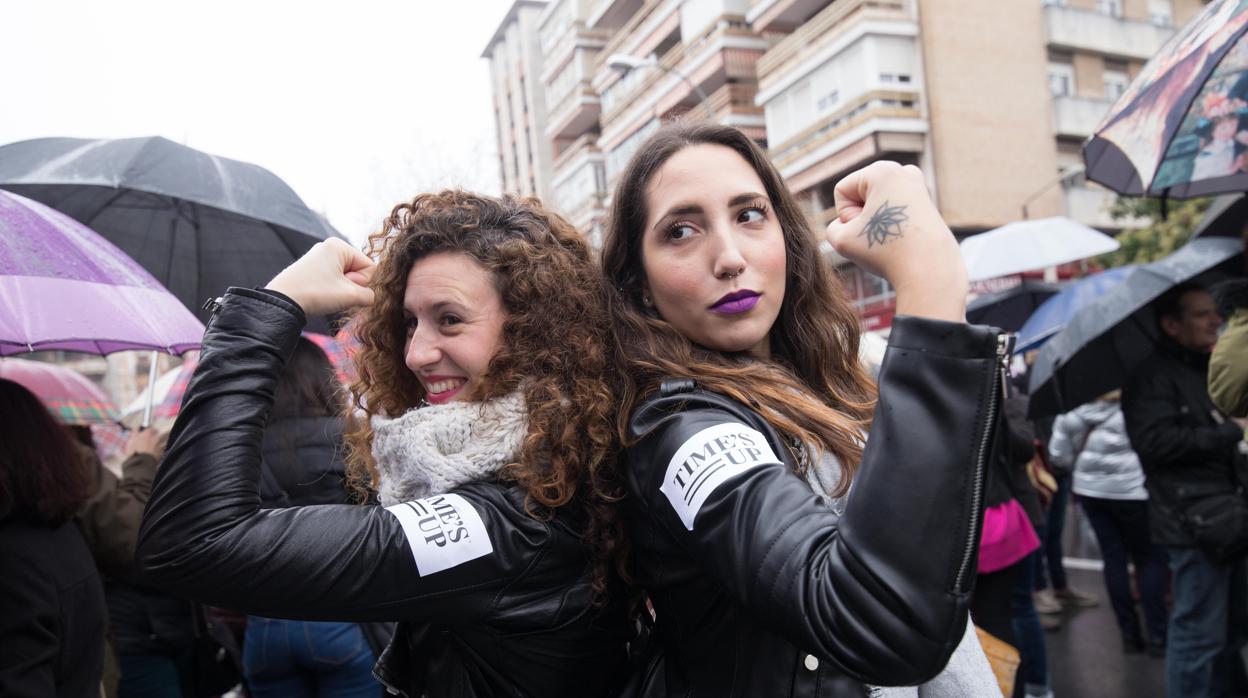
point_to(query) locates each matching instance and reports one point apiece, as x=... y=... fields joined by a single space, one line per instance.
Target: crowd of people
x=661 y=470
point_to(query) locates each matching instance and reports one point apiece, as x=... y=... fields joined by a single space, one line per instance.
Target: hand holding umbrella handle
x=887 y=224
x=333 y=276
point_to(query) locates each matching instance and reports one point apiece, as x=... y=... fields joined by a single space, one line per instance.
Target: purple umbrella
x=62 y=286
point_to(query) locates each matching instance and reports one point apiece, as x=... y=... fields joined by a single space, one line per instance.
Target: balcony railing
x=1073 y=28
x=829 y=23
x=1077 y=117
x=681 y=58
x=880 y=103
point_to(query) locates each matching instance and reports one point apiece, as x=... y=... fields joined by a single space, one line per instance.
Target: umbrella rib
x=91 y=220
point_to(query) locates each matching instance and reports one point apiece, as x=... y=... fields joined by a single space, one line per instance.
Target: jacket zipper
x=1004 y=344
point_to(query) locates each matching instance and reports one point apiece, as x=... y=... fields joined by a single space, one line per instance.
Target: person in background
x=1228 y=365
x=52 y=609
x=1092 y=439
x=301 y=463
x=1002 y=601
x=1185 y=442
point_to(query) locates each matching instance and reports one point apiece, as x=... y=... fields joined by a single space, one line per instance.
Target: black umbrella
x=1105 y=340
x=1225 y=217
x=1010 y=308
x=195 y=221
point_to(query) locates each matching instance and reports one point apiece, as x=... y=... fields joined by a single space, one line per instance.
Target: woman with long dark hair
x=483 y=423
x=52 y=609
x=795 y=536
x=302 y=464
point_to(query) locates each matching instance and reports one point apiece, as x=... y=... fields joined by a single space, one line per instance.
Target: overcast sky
x=356 y=105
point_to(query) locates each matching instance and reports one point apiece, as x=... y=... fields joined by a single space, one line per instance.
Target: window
x=1055 y=3
x=1116 y=81
x=1113 y=8
x=1161 y=13
x=894 y=78
x=829 y=100
x=1061 y=79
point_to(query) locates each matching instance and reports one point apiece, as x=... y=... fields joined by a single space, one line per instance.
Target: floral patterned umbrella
x=1181 y=128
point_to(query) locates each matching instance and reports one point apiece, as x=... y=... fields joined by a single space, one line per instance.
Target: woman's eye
x=450 y=320
x=679 y=231
x=409 y=324
x=751 y=215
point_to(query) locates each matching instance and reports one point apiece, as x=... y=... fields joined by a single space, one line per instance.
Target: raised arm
x=883 y=590
x=204 y=535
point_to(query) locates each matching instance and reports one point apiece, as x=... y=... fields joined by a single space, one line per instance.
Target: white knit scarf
x=435 y=448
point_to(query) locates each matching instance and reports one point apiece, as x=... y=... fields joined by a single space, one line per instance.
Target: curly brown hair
x=553 y=348
x=813 y=388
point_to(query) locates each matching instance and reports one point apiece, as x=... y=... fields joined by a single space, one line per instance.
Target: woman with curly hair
x=483 y=420
x=790 y=542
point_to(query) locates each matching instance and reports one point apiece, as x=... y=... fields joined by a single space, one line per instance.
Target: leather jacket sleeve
x=883 y=590
x=205 y=536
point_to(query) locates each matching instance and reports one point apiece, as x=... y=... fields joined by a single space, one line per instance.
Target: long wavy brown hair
x=813 y=388
x=553 y=348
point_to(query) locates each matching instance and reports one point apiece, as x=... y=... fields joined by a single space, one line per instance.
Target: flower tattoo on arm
x=885 y=223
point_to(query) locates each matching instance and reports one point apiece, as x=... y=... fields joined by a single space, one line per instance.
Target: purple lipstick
x=736 y=302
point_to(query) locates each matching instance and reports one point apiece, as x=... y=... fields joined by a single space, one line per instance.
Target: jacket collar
x=1195 y=360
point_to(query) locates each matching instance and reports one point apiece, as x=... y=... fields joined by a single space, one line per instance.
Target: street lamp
x=1066 y=174
x=623 y=63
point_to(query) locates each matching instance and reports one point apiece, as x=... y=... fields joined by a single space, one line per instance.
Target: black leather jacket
x=503 y=606
x=1184 y=442
x=759 y=587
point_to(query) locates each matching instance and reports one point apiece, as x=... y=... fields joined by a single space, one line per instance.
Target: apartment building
x=992 y=98
x=515 y=60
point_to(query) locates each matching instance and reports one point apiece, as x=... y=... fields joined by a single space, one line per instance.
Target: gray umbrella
x=197 y=222
x=1106 y=339
x=1225 y=217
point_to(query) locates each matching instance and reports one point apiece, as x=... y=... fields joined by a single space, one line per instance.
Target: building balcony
x=647 y=30
x=1077 y=117
x=576 y=38
x=578 y=179
x=875 y=124
x=781 y=15
x=612 y=14
x=1087 y=30
x=833 y=25
x=725 y=54
x=574 y=114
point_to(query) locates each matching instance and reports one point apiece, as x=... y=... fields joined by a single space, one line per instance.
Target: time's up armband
x=709 y=458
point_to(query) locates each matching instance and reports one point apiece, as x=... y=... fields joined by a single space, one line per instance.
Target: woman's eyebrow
x=678 y=210
x=744 y=198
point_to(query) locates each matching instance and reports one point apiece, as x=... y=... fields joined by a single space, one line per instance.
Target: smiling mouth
x=443 y=389
x=736 y=302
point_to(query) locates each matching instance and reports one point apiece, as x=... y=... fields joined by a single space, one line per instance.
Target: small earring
x=645 y=300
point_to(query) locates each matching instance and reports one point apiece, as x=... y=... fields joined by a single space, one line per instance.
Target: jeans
x=1033 y=671
x=154 y=676
x=1200 y=660
x=297 y=658
x=1051 y=538
x=1121 y=527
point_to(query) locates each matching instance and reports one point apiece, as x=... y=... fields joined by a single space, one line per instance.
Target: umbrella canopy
x=1176 y=130
x=195 y=221
x=73 y=398
x=1227 y=217
x=1010 y=308
x=1054 y=313
x=171 y=386
x=64 y=287
x=1106 y=339
x=1035 y=244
